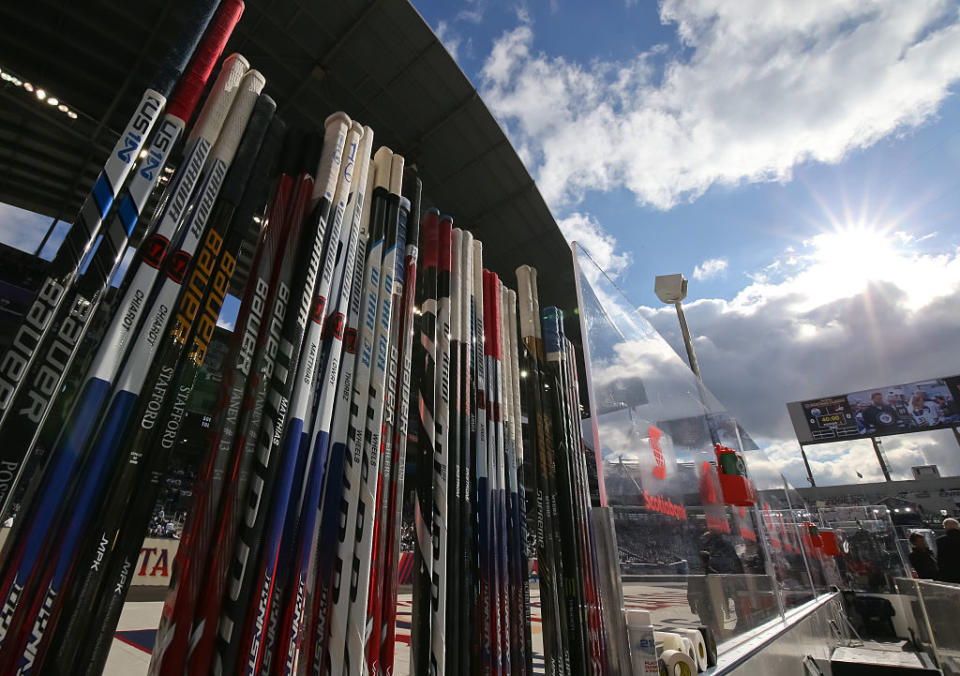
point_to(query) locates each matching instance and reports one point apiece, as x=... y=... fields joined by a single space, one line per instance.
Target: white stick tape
x=699 y=647
x=670 y=640
x=676 y=663
x=690 y=650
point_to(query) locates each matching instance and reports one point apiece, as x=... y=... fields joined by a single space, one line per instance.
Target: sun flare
x=854 y=255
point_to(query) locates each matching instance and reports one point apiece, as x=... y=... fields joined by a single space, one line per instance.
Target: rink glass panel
x=933 y=606
x=875 y=556
x=685 y=555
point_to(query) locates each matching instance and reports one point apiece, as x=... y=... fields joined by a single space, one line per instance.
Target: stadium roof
x=379 y=61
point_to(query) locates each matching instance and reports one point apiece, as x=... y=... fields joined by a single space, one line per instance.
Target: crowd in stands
x=170 y=510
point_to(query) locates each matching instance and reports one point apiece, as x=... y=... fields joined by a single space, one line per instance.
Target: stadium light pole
x=883 y=465
x=672 y=289
x=806 y=463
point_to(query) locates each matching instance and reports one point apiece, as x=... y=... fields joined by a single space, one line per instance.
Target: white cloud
x=834 y=464
x=711 y=267
x=602 y=247
x=450 y=41
x=473 y=13
x=523 y=13
x=843 y=318
x=759 y=87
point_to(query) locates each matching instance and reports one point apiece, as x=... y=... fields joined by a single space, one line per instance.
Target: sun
x=853 y=255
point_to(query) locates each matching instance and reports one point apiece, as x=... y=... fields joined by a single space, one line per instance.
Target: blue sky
x=797 y=161
x=907 y=173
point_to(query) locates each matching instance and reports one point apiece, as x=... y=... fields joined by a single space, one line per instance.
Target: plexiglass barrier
x=698 y=543
x=935 y=605
x=873 y=556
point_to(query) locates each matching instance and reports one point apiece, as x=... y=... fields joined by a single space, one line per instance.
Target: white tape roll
x=699 y=647
x=669 y=640
x=690 y=650
x=676 y=663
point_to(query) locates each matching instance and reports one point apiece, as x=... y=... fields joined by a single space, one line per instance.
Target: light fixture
x=143 y=153
x=40 y=93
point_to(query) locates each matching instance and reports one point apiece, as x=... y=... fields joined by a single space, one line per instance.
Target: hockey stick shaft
x=61 y=315
x=240 y=634
x=146 y=444
x=231 y=226
x=20 y=569
x=37 y=508
x=256 y=362
x=425 y=363
x=387 y=630
x=170 y=648
x=65 y=266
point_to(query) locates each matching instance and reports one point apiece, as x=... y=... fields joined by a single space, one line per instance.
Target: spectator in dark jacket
x=922 y=559
x=948 y=551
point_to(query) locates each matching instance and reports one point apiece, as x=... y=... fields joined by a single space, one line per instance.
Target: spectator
x=922 y=559
x=880 y=418
x=948 y=551
x=948 y=409
x=925 y=413
x=698 y=594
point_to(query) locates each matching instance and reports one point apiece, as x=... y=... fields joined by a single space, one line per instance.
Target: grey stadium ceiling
x=378 y=61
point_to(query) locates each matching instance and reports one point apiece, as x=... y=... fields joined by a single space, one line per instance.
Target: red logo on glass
x=660 y=471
